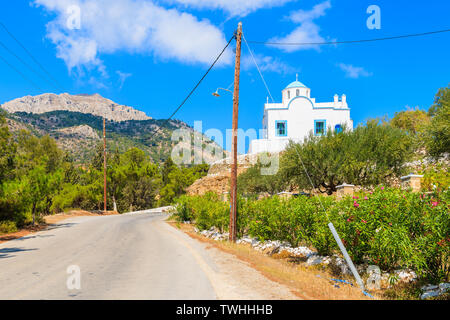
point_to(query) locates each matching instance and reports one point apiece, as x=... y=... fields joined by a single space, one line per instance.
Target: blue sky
x=149 y=54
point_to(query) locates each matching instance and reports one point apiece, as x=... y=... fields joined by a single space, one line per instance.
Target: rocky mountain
x=89 y=104
x=80 y=130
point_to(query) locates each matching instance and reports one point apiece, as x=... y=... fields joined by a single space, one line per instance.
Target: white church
x=296 y=116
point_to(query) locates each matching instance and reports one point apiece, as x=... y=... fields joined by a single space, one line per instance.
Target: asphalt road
x=136 y=256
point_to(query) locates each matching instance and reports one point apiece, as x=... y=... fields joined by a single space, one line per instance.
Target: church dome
x=296 y=84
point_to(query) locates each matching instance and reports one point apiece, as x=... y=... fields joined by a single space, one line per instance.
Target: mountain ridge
x=80 y=133
x=93 y=104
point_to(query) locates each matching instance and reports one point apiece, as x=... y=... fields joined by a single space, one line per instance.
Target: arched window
x=289 y=94
x=338 y=128
x=297 y=92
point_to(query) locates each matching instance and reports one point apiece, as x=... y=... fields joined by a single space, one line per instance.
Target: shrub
x=7 y=227
x=391 y=228
x=76 y=196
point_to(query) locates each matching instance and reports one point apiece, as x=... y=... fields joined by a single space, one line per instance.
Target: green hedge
x=391 y=228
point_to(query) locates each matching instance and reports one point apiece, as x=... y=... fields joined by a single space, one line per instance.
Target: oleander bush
x=391 y=228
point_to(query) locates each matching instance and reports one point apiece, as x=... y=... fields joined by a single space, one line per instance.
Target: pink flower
x=434 y=203
x=363 y=221
x=382 y=188
x=390 y=223
x=365 y=198
x=356 y=204
x=355 y=197
x=370 y=192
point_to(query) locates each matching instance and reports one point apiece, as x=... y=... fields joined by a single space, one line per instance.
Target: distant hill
x=79 y=132
x=83 y=103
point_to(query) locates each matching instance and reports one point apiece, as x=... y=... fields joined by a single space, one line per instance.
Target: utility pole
x=233 y=182
x=104 y=164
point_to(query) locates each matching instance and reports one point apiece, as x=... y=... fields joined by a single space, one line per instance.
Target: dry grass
x=311 y=283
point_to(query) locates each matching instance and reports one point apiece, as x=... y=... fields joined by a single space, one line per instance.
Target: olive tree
x=367 y=155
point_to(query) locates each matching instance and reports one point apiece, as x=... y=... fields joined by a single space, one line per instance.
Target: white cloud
x=317 y=11
x=132 y=26
x=354 y=72
x=122 y=77
x=232 y=7
x=307 y=32
x=266 y=64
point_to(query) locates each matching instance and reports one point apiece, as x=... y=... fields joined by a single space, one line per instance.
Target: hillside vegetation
x=151 y=136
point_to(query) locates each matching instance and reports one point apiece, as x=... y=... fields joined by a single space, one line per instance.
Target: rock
x=406 y=275
x=274 y=251
x=245 y=240
x=443 y=287
x=432 y=290
x=254 y=243
x=429 y=287
x=299 y=251
x=314 y=260
x=342 y=265
x=326 y=260
x=81 y=131
x=430 y=294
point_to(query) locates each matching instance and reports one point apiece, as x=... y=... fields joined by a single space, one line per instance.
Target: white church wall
x=299 y=113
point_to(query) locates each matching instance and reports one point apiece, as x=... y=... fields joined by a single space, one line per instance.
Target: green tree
x=252 y=181
x=368 y=155
x=438 y=132
x=413 y=121
x=7 y=149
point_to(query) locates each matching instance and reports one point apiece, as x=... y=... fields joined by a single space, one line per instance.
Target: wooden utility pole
x=104 y=164
x=233 y=182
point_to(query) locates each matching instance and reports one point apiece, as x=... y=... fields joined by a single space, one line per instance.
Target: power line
x=31 y=56
x=20 y=73
x=26 y=64
x=348 y=41
x=196 y=86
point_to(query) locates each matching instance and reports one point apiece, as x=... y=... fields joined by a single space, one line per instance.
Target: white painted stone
x=429 y=287
x=314 y=260
x=430 y=294
x=406 y=275
x=444 y=287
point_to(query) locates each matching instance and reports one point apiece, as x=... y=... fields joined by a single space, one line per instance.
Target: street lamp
x=216 y=93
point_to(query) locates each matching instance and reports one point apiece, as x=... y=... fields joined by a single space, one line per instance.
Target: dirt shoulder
x=277 y=277
x=48 y=221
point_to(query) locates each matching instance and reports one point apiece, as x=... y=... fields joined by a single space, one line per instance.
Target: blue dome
x=296 y=84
